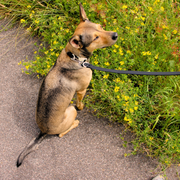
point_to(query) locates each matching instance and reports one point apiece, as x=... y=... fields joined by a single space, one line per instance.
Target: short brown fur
x=54 y=114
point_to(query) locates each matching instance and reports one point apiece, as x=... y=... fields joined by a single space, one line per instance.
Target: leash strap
x=85 y=64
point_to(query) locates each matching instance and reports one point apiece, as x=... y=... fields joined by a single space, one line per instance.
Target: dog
x=54 y=114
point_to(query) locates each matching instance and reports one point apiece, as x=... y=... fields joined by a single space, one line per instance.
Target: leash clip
x=83 y=63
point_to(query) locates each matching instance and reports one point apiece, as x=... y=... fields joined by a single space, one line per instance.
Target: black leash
x=85 y=64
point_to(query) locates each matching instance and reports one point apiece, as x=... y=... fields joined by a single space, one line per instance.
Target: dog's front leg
x=80 y=96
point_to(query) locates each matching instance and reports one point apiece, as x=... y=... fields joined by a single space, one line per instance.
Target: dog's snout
x=114 y=36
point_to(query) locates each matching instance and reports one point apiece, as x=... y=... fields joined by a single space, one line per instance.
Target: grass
x=148 y=41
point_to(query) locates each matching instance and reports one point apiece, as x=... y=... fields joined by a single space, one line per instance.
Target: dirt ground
x=94 y=150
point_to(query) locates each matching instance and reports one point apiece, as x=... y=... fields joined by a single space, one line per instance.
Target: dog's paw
x=79 y=106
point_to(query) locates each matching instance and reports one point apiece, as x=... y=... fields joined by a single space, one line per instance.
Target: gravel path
x=93 y=150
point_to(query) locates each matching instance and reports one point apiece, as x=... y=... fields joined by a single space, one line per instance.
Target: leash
x=87 y=65
x=83 y=62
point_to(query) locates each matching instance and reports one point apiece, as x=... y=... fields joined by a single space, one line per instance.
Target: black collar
x=76 y=58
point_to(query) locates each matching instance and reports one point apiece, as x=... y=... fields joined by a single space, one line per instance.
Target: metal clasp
x=83 y=65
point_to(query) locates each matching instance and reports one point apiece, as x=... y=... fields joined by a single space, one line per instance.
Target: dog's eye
x=96 y=38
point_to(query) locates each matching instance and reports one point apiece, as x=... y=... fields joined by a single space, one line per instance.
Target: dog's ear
x=75 y=42
x=83 y=16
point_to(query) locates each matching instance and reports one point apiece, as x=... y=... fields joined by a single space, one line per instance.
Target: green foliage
x=148 y=41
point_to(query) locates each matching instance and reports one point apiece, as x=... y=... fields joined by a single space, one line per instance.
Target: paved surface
x=93 y=150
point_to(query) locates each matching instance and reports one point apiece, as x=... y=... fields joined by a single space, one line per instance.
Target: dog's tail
x=30 y=147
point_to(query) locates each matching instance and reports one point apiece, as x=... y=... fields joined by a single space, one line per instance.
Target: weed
x=148 y=41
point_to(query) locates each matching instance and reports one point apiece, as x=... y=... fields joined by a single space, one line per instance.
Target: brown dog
x=54 y=115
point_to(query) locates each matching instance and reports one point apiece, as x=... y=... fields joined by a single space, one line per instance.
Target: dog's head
x=89 y=36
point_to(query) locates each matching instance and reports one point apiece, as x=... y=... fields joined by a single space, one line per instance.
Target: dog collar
x=73 y=57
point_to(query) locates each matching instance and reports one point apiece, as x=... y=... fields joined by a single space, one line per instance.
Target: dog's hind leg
x=74 y=125
x=69 y=121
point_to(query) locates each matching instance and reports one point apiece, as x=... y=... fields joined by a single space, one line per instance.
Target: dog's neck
x=75 y=54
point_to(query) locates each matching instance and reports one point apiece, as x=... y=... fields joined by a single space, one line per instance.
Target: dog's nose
x=114 y=36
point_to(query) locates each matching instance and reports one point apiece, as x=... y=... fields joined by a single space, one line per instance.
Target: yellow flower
x=151 y=9
x=156 y=57
x=148 y=53
x=165 y=27
x=131 y=110
x=122 y=39
x=107 y=63
x=118 y=97
x=127 y=27
x=127 y=119
x=36 y=21
x=144 y=53
x=33 y=12
x=124 y=7
x=55 y=42
x=46 y=52
x=114 y=50
x=57 y=54
x=28 y=6
x=120 y=51
x=156 y=2
x=143 y=18
x=52 y=53
x=95 y=62
x=27 y=67
x=162 y=8
x=28 y=29
x=22 y=20
x=126 y=98
x=116 y=89
x=106 y=76
x=165 y=37
x=115 y=21
x=175 y=31
x=137 y=30
x=128 y=51
x=135 y=108
x=151 y=138
x=121 y=62
x=35 y=52
x=136 y=103
x=116 y=46
x=117 y=80
x=48 y=66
